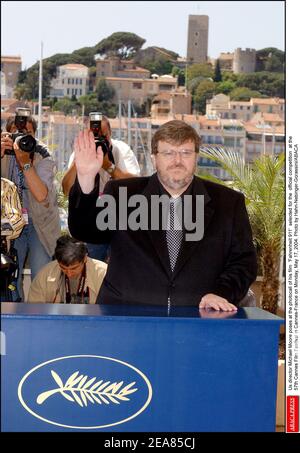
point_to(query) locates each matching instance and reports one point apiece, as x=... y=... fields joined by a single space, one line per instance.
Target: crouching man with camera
x=28 y=164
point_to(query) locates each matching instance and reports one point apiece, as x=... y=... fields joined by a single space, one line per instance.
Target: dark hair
x=175 y=132
x=11 y=121
x=68 y=250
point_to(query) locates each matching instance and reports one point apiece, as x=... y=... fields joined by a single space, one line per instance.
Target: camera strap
x=83 y=295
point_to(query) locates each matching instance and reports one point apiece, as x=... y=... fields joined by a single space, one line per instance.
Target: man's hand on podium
x=216 y=303
x=210 y=313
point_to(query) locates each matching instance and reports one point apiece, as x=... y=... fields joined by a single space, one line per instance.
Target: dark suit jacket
x=223 y=262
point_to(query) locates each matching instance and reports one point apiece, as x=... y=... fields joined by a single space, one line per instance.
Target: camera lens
x=26 y=143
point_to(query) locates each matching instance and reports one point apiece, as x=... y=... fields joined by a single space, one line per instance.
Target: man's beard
x=173 y=182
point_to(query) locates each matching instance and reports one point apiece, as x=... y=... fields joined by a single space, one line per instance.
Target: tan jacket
x=49 y=287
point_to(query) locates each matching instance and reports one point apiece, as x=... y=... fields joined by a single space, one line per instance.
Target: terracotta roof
x=259 y=129
x=137 y=69
x=267 y=101
x=206 y=122
x=137 y=79
x=11 y=59
x=272 y=117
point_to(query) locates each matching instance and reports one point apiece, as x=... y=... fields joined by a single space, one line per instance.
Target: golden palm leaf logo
x=81 y=390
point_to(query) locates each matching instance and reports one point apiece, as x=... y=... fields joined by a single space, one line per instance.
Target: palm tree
x=262 y=184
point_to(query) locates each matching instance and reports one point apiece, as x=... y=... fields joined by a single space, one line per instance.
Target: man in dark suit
x=162 y=266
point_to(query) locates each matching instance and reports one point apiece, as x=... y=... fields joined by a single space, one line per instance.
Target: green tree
x=92 y=78
x=20 y=92
x=270 y=59
x=263 y=185
x=229 y=76
x=218 y=74
x=121 y=43
x=180 y=74
x=85 y=56
x=267 y=83
x=156 y=59
x=243 y=94
x=200 y=69
x=225 y=87
x=204 y=92
x=159 y=66
x=66 y=105
x=90 y=103
x=193 y=84
x=104 y=91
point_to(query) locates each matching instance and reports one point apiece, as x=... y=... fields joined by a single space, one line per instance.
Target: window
x=137 y=85
x=270 y=109
x=196 y=43
x=63 y=81
x=80 y=91
x=69 y=81
x=163 y=87
x=68 y=91
x=80 y=81
x=76 y=81
x=241 y=107
x=196 y=33
x=248 y=108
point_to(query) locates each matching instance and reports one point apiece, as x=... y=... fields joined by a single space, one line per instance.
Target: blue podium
x=130 y=369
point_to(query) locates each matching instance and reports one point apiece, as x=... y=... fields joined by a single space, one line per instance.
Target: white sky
x=66 y=26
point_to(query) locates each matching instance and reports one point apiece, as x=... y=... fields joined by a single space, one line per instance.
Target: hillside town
x=210 y=94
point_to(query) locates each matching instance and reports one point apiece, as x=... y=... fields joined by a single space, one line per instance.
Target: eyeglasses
x=168 y=155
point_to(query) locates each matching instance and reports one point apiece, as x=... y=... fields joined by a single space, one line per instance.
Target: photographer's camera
x=100 y=140
x=22 y=138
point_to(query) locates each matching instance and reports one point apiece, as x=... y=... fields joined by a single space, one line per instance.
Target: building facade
x=11 y=66
x=176 y=102
x=221 y=106
x=71 y=80
x=139 y=90
x=244 y=61
x=197 y=45
x=115 y=67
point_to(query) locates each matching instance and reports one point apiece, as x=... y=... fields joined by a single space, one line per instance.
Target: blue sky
x=66 y=26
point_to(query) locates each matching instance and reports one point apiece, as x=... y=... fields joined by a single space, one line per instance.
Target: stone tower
x=244 y=61
x=197 y=46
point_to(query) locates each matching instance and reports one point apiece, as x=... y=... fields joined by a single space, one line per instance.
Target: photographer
x=72 y=278
x=28 y=164
x=119 y=162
